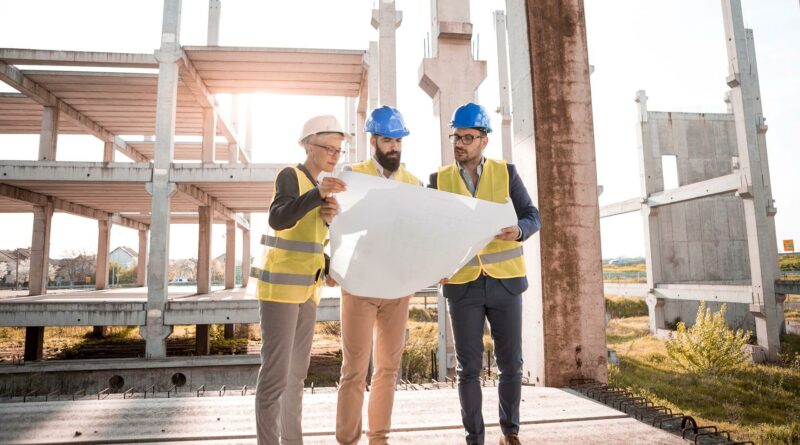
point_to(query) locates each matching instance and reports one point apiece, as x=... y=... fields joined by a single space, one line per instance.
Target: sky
x=674 y=50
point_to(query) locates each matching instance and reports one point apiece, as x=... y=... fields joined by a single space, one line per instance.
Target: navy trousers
x=487 y=298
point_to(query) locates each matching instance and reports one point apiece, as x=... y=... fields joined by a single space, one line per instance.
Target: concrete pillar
x=230 y=254
x=48 y=138
x=248 y=128
x=651 y=179
x=204 y=250
x=447 y=351
x=214 y=12
x=228 y=330
x=451 y=76
x=759 y=209
x=103 y=243
x=233 y=149
x=99 y=331
x=505 y=93
x=207 y=149
x=40 y=249
x=386 y=19
x=202 y=340
x=246 y=253
x=141 y=263
x=373 y=76
x=34 y=343
x=109 y=152
x=155 y=331
x=361 y=137
x=350 y=127
x=563 y=165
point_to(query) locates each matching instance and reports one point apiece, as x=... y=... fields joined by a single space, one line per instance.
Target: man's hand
x=329 y=209
x=509 y=233
x=329 y=281
x=329 y=186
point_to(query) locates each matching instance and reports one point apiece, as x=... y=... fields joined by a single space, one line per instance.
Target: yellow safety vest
x=499 y=259
x=292 y=268
x=369 y=168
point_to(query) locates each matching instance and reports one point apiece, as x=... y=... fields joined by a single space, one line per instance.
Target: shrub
x=416 y=362
x=710 y=346
x=619 y=307
x=422 y=315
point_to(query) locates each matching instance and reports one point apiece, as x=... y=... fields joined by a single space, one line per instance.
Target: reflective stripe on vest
x=368 y=167
x=290 y=270
x=499 y=259
x=295 y=246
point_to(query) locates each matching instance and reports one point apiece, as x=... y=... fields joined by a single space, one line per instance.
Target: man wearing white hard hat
x=289 y=281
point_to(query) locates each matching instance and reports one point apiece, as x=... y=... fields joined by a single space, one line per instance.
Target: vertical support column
x=350 y=103
x=103 y=242
x=208 y=148
x=246 y=252
x=34 y=343
x=566 y=176
x=248 y=128
x=233 y=148
x=214 y=12
x=40 y=249
x=451 y=76
x=386 y=19
x=374 y=76
x=156 y=332
x=651 y=179
x=361 y=137
x=202 y=344
x=204 y=249
x=109 y=151
x=141 y=263
x=48 y=138
x=505 y=93
x=523 y=152
x=757 y=200
x=230 y=254
x=447 y=351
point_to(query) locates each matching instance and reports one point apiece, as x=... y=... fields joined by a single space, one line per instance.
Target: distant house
x=124 y=256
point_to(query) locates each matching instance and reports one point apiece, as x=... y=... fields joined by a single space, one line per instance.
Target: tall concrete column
x=48 y=138
x=451 y=76
x=214 y=13
x=40 y=249
x=204 y=250
x=34 y=343
x=208 y=149
x=759 y=208
x=386 y=19
x=103 y=243
x=652 y=180
x=109 y=152
x=502 y=75
x=141 y=263
x=155 y=331
x=230 y=254
x=563 y=165
x=202 y=339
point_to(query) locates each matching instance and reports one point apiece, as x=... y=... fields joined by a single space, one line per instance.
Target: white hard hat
x=321 y=124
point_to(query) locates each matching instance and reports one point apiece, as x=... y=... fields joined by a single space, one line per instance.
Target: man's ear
x=484 y=141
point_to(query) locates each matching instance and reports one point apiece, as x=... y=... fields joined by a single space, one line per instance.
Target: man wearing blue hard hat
x=362 y=314
x=489 y=287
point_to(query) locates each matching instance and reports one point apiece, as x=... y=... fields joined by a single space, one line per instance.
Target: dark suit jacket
x=527 y=220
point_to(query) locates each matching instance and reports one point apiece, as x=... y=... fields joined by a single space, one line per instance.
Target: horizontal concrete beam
x=723 y=184
x=41 y=95
x=631 y=290
x=619 y=208
x=199 y=173
x=241 y=222
x=20 y=56
x=72 y=314
x=705 y=292
x=75 y=171
x=787 y=287
x=233 y=311
x=204 y=199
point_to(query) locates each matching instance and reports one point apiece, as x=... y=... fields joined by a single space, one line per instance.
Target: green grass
x=757 y=402
x=621 y=307
x=790 y=261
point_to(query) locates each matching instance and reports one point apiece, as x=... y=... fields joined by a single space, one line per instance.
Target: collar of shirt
x=380 y=169
x=480 y=167
x=468 y=178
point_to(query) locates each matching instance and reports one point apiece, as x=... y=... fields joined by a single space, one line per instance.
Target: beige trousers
x=388 y=318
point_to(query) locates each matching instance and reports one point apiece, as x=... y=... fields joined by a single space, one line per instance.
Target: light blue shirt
x=468 y=178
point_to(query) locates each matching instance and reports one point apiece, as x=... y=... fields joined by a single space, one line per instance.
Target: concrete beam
x=204 y=250
x=209 y=136
x=72 y=314
x=204 y=199
x=41 y=95
x=198 y=173
x=622 y=207
x=103 y=247
x=704 y=292
x=141 y=264
x=40 y=249
x=716 y=186
x=75 y=171
x=232 y=311
x=245 y=250
x=16 y=56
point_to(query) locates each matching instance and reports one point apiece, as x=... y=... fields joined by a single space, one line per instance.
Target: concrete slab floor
x=548 y=415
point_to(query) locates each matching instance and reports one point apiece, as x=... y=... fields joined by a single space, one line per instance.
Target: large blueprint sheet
x=392 y=239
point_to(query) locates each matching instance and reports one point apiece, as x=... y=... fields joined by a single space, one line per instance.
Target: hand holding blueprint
x=392 y=239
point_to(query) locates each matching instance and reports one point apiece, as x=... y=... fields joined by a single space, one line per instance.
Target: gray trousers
x=286 y=334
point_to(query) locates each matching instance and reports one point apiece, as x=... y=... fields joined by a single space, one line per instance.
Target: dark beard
x=391 y=164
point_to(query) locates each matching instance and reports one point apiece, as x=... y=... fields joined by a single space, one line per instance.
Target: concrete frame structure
x=723 y=177
x=158 y=191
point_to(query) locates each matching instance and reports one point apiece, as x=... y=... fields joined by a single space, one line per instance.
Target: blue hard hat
x=386 y=121
x=471 y=115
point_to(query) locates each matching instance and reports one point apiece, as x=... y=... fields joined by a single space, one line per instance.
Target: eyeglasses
x=333 y=151
x=466 y=139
